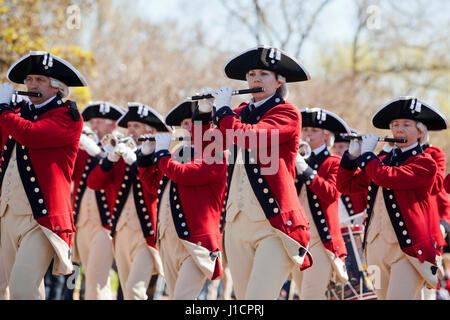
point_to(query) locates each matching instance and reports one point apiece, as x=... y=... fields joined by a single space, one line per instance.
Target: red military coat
x=46 y=142
x=440 y=202
x=407 y=186
x=323 y=200
x=84 y=164
x=199 y=188
x=355 y=202
x=117 y=179
x=277 y=125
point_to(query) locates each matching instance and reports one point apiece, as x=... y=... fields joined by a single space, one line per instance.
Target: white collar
x=406 y=148
x=319 y=149
x=259 y=103
x=37 y=106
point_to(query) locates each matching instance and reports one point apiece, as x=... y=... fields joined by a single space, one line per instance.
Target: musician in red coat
x=440 y=207
x=440 y=202
x=190 y=203
x=319 y=196
x=266 y=230
x=398 y=239
x=92 y=214
x=39 y=145
x=132 y=196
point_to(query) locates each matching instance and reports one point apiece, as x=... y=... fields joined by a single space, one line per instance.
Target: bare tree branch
x=233 y=13
x=361 y=22
x=307 y=30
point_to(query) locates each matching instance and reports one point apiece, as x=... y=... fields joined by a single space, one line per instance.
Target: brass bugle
x=173 y=139
x=29 y=93
x=304 y=149
x=349 y=137
x=235 y=92
x=111 y=140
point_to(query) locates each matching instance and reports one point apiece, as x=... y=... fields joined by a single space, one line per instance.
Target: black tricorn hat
x=321 y=118
x=409 y=108
x=46 y=64
x=267 y=58
x=141 y=113
x=102 y=109
x=180 y=112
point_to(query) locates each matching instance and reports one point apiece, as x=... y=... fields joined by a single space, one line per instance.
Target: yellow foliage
x=81 y=95
x=30 y=25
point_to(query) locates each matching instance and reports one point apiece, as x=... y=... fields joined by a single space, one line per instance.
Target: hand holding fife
x=148 y=146
x=162 y=141
x=369 y=142
x=222 y=97
x=300 y=164
x=354 y=149
x=206 y=105
x=6 y=92
x=129 y=156
x=89 y=146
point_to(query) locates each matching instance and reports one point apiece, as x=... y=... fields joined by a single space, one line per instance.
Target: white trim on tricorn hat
x=323 y=119
x=46 y=64
x=102 y=109
x=267 y=58
x=181 y=111
x=408 y=107
x=140 y=112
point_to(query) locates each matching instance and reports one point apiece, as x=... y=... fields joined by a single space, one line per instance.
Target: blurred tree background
x=391 y=48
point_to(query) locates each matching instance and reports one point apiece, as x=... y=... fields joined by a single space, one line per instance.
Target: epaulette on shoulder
x=73 y=110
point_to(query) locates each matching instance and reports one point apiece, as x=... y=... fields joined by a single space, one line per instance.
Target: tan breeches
x=94 y=247
x=134 y=263
x=258 y=262
x=312 y=283
x=26 y=255
x=183 y=277
x=397 y=277
x=4 y=290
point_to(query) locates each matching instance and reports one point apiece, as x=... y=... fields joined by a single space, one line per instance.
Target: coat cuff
x=144 y=160
x=348 y=163
x=156 y=156
x=222 y=112
x=5 y=107
x=308 y=176
x=364 y=159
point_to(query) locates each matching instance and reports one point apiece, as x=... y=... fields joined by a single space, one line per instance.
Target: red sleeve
x=79 y=164
x=439 y=157
x=99 y=179
x=191 y=174
x=277 y=126
x=324 y=186
x=352 y=181
x=447 y=183
x=150 y=177
x=55 y=130
x=420 y=172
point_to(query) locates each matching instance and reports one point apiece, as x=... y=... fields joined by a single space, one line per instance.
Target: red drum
x=357 y=287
